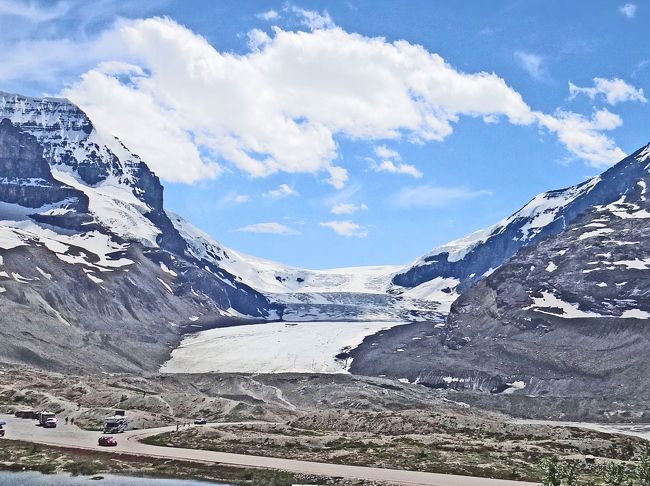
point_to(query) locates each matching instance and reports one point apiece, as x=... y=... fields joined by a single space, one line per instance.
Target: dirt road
x=129 y=443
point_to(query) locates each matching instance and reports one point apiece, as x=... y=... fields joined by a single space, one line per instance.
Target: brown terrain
x=323 y=418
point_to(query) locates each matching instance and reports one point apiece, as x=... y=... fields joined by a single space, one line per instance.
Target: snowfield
x=278 y=347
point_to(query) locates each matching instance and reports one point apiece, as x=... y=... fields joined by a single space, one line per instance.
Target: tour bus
x=26 y=414
x=117 y=423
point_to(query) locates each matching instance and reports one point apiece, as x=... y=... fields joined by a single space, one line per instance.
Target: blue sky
x=325 y=134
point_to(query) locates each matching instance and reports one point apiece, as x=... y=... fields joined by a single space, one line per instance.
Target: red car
x=107 y=441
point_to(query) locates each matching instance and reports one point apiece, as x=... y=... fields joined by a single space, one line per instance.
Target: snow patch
x=550 y=304
x=551 y=267
x=635 y=314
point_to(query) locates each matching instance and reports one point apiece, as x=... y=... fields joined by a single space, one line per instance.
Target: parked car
x=200 y=421
x=2 y=431
x=107 y=441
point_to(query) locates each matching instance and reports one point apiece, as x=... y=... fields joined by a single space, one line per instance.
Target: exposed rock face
x=477 y=255
x=566 y=317
x=93 y=274
x=25 y=176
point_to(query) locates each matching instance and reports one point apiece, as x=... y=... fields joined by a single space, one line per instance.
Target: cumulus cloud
x=191 y=110
x=399 y=168
x=614 y=90
x=348 y=208
x=428 y=196
x=283 y=191
x=392 y=163
x=531 y=63
x=582 y=136
x=628 y=10
x=308 y=87
x=346 y=228
x=270 y=227
x=257 y=39
x=312 y=19
x=384 y=152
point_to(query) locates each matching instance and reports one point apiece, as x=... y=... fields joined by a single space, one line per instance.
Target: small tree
x=614 y=474
x=642 y=472
x=549 y=467
x=568 y=473
x=560 y=473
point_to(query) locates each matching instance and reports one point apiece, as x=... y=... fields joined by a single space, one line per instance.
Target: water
x=38 y=479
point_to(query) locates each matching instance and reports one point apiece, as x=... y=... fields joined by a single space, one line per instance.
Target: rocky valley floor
x=327 y=418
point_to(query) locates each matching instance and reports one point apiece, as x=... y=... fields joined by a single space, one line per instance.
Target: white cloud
x=532 y=63
x=345 y=228
x=582 y=136
x=271 y=227
x=308 y=87
x=268 y=15
x=154 y=133
x=189 y=109
x=284 y=190
x=399 y=168
x=338 y=176
x=628 y=10
x=348 y=208
x=312 y=19
x=384 y=152
x=615 y=91
x=257 y=39
x=428 y=196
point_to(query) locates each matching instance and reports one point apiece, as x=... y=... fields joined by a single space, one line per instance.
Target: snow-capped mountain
x=567 y=316
x=477 y=255
x=353 y=293
x=91 y=261
x=87 y=252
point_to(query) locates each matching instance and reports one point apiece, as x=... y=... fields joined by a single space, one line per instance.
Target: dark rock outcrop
x=565 y=317
x=25 y=176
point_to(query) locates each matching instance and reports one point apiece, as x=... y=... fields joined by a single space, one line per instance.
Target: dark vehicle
x=26 y=414
x=2 y=431
x=107 y=441
x=200 y=421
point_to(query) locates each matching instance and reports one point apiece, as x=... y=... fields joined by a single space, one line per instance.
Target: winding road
x=129 y=443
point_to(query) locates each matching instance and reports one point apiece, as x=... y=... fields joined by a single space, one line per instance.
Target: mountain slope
x=565 y=317
x=475 y=256
x=89 y=260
